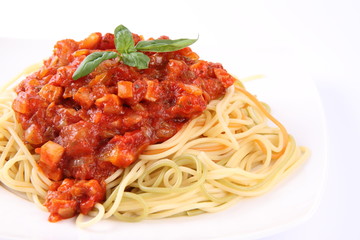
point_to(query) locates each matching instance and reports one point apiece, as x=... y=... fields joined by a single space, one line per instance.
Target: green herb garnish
x=91 y=62
x=129 y=53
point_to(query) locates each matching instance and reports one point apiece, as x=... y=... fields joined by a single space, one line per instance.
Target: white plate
x=295 y=102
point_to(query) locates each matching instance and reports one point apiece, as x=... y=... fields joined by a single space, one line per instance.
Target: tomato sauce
x=84 y=130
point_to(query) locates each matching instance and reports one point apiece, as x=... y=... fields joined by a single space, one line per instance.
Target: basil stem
x=124 y=41
x=91 y=62
x=136 y=59
x=164 y=45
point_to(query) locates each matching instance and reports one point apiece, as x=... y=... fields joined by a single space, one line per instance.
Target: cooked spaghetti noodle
x=235 y=149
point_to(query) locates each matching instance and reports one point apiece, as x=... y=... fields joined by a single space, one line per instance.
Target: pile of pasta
x=235 y=149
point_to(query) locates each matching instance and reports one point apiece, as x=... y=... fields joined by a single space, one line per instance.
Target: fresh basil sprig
x=91 y=62
x=136 y=59
x=129 y=53
x=164 y=45
x=124 y=41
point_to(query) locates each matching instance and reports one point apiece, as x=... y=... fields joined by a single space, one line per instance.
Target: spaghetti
x=234 y=149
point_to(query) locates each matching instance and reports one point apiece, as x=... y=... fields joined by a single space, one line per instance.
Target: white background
x=322 y=38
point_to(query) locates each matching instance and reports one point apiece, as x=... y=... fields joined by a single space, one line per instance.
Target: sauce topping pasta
x=85 y=130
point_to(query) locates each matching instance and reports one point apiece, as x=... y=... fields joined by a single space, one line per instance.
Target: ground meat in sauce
x=86 y=129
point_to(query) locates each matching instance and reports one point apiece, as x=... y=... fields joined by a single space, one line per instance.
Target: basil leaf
x=91 y=62
x=128 y=52
x=124 y=41
x=164 y=45
x=136 y=59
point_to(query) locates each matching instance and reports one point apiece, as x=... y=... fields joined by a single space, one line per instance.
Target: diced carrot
x=51 y=93
x=110 y=104
x=33 y=135
x=20 y=104
x=51 y=153
x=151 y=91
x=84 y=97
x=125 y=89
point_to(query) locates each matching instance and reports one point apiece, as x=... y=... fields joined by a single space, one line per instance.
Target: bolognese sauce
x=85 y=130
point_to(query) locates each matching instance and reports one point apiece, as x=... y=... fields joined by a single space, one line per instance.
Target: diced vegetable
x=192 y=89
x=51 y=153
x=189 y=105
x=226 y=79
x=132 y=119
x=81 y=52
x=152 y=91
x=176 y=68
x=125 y=89
x=91 y=41
x=33 y=135
x=51 y=93
x=201 y=68
x=84 y=97
x=98 y=79
x=21 y=104
x=110 y=104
